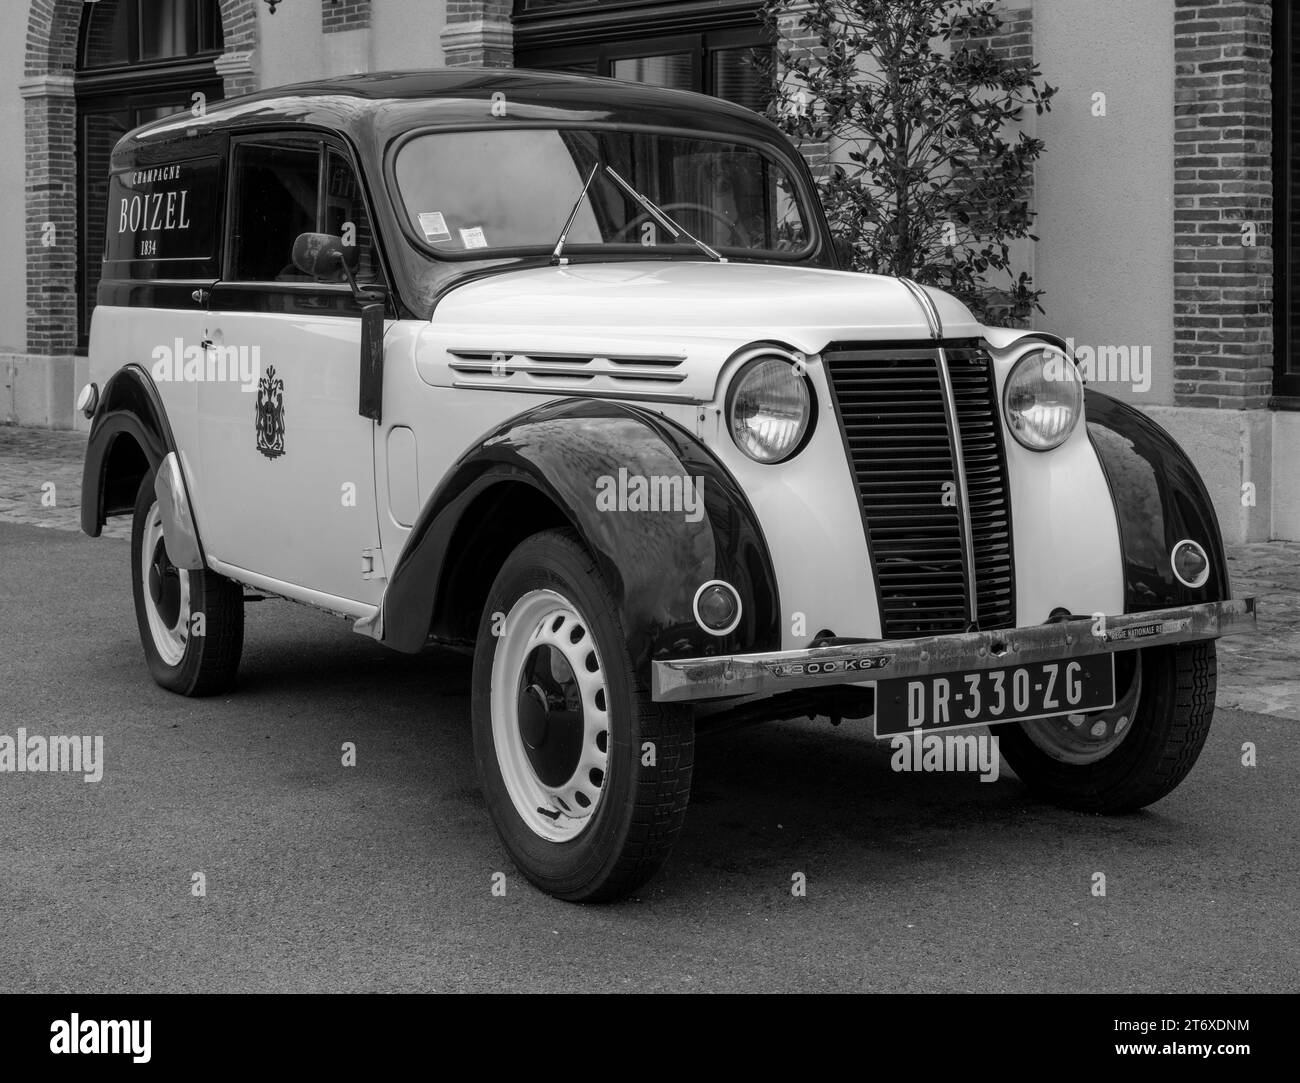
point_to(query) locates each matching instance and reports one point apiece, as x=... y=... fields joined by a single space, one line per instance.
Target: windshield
x=473 y=193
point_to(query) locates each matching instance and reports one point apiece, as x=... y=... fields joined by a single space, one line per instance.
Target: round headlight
x=768 y=408
x=1043 y=399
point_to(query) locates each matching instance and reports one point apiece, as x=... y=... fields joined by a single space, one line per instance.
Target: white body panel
x=667 y=305
x=304 y=517
x=1067 y=548
x=1067 y=544
x=281 y=524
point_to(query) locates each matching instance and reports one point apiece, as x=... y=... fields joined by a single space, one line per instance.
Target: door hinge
x=372 y=564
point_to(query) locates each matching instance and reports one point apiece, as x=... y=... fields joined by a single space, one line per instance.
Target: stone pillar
x=1223 y=205
x=237 y=66
x=478 y=33
x=51 y=193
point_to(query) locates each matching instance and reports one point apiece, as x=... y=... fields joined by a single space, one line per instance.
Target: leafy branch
x=924 y=183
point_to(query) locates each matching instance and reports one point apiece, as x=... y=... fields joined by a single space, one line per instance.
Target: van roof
x=373 y=108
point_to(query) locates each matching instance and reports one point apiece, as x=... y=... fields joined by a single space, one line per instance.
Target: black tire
x=1172 y=718
x=207 y=663
x=640 y=808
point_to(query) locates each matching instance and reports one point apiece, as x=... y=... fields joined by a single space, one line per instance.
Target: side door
x=287 y=458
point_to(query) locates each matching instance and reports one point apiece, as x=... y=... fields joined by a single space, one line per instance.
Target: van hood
x=667 y=306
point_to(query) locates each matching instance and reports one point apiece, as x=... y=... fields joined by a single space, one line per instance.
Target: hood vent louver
x=621 y=376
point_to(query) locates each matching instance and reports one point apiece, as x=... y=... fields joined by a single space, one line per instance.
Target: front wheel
x=191 y=622
x=586 y=778
x=1124 y=758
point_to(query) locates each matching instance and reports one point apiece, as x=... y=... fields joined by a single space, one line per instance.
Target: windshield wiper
x=556 y=258
x=659 y=215
x=662 y=218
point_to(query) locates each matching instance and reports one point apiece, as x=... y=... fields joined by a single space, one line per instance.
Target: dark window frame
x=620 y=19
x=323 y=143
x=207 y=38
x=631 y=29
x=235 y=193
x=1286 y=335
x=699 y=46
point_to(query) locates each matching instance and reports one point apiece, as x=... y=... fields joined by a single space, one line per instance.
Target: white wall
x=1104 y=185
x=402 y=34
x=1286 y=477
x=405 y=33
x=289 y=44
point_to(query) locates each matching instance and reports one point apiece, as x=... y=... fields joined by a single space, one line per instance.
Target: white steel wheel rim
x=168 y=616
x=535 y=733
x=1084 y=738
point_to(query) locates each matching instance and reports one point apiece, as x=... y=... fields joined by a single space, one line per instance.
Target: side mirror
x=325 y=257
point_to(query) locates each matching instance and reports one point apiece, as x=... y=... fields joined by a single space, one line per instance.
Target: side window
x=276 y=198
x=280 y=193
x=345 y=213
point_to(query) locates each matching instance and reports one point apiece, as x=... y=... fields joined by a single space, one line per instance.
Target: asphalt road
x=379 y=876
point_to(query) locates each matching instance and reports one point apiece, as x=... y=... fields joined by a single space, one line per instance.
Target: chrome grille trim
x=963 y=493
x=927 y=306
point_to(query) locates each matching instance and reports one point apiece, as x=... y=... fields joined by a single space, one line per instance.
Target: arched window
x=137 y=60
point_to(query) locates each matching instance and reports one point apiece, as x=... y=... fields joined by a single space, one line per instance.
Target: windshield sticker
x=473 y=238
x=434 y=226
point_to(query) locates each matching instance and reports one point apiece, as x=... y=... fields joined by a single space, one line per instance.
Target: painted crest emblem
x=270 y=414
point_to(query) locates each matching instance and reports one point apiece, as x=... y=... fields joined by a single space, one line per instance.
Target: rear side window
x=282 y=191
x=164 y=215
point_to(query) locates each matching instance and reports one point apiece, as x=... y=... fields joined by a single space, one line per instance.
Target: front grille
x=976 y=399
x=895 y=413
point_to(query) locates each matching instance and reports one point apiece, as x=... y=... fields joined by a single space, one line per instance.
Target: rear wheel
x=586 y=778
x=191 y=622
x=1133 y=754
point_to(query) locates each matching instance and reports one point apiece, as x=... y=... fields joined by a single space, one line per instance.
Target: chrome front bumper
x=685 y=679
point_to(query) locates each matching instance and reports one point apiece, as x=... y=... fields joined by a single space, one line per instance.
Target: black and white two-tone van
x=564 y=371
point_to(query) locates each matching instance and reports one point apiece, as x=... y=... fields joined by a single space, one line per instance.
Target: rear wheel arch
x=129 y=436
x=125 y=467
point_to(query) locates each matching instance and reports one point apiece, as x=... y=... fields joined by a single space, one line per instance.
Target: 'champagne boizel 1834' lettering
x=490 y=312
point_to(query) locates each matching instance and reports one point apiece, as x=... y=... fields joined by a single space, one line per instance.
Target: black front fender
x=653 y=561
x=129 y=404
x=1160 y=500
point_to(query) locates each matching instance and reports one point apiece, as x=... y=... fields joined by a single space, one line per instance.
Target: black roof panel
x=375 y=107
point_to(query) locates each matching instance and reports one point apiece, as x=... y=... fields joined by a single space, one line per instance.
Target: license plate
x=985 y=697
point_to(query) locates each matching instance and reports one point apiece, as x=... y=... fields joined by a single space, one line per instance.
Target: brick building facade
x=1162 y=192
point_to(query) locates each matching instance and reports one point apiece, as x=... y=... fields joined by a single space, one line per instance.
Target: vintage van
x=566 y=372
